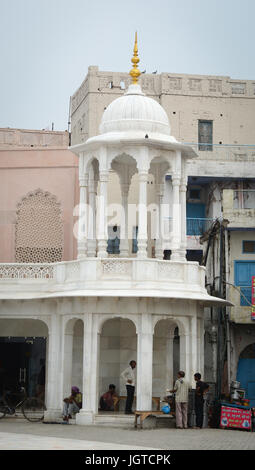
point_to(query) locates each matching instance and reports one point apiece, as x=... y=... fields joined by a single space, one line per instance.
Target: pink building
x=38 y=192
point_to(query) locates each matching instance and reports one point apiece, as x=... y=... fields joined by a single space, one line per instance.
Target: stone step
x=60 y=421
x=118 y=420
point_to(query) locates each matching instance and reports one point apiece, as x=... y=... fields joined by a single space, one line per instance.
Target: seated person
x=108 y=399
x=72 y=404
x=170 y=399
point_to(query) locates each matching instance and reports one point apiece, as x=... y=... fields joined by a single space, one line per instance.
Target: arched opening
x=23 y=355
x=160 y=215
x=118 y=346
x=122 y=207
x=246 y=372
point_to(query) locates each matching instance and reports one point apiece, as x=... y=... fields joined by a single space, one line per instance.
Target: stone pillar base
x=51 y=415
x=91 y=250
x=102 y=249
x=84 y=418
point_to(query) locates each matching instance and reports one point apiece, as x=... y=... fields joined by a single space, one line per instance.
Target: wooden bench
x=144 y=414
x=156 y=400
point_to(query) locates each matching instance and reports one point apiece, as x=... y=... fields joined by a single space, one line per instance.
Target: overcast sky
x=47 y=46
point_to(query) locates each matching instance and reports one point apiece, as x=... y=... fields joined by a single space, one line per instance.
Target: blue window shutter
x=246 y=291
x=244 y=270
x=242 y=274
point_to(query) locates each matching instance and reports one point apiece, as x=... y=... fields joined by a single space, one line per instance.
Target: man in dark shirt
x=201 y=389
x=109 y=399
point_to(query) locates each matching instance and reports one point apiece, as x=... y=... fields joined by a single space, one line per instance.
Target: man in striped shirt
x=181 y=390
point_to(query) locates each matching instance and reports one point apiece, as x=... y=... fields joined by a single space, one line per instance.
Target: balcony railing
x=198 y=226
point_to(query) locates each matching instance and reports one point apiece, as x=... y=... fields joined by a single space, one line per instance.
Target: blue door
x=246 y=376
x=244 y=270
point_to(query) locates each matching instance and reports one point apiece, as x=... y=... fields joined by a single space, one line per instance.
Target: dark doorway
x=21 y=360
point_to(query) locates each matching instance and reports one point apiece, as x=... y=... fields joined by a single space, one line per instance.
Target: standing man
x=201 y=389
x=128 y=376
x=181 y=390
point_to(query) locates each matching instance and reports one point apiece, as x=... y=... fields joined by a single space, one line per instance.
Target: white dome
x=135 y=112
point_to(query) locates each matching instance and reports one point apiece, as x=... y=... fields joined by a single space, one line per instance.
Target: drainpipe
x=228 y=339
x=219 y=338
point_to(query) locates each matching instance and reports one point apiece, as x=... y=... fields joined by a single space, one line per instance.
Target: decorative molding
x=26 y=271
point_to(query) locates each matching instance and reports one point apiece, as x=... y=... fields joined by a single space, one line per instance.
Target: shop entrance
x=21 y=361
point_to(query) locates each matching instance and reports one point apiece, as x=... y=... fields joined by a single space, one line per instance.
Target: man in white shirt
x=128 y=376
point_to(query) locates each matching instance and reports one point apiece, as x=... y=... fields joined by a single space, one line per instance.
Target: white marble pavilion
x=98 y=312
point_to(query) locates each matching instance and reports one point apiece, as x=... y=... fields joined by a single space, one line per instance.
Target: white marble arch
x=118 y=346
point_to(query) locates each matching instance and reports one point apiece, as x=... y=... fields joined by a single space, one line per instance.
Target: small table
x=144 y=414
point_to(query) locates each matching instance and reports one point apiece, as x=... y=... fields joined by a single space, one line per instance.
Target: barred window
x=205 y=135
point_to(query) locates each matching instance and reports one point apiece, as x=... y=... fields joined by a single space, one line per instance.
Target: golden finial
x=135 y=72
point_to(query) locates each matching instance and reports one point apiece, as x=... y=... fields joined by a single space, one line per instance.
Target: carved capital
x=143 y=176
x=176 y=181
x=83 y=181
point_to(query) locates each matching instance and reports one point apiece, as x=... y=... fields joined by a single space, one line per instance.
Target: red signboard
x=253 y=298
x=235 y=418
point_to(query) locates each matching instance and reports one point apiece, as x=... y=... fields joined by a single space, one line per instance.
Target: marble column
x=183 y=202
x=91 y=250
x=194 y=347
x=185 y=355
x=169 y=361
x=54 y=393
x=144 y=363
x=102 y=235
x=67 y=357
x=83 y=218
x=158 y=245
x=142 y=238
x=124 y=245
x=176 y=247
x=90 y=371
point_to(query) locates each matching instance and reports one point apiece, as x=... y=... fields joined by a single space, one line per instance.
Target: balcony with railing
x=93 y=277
x=198 y=226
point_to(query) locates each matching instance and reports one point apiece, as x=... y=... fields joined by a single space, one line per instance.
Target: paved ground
x=20 y=434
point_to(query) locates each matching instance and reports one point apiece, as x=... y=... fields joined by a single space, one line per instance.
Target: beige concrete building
x=187 y=99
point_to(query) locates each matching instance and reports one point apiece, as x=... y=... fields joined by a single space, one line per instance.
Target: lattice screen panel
x=39 y=229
